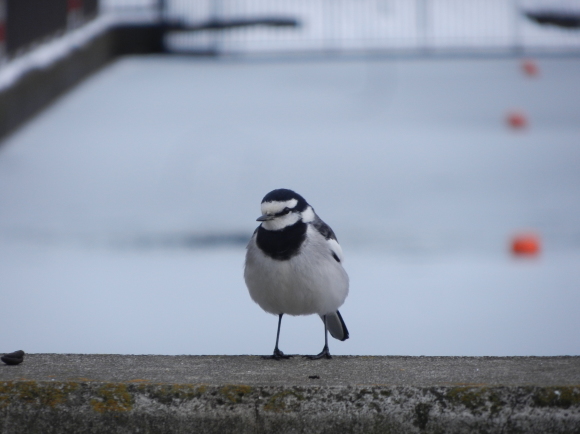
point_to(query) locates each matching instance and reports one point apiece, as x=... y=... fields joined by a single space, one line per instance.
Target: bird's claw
x=277 y=355
x=325 y=353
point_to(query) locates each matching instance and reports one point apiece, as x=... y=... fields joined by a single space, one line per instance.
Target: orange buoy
x=526 y=244
x=530 y=68
x=517 y=120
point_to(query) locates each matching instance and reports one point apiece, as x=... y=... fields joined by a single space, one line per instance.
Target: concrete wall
x=39 y=87
x=54 y=393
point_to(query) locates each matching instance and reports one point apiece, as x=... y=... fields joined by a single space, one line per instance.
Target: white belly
x=297 y=286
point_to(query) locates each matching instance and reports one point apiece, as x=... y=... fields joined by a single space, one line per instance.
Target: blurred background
x=439 y=138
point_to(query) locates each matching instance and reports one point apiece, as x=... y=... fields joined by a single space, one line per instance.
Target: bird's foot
x=325 y=353
x=277 y=355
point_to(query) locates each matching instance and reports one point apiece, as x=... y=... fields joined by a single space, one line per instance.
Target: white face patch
x=275 y=207
x=308 y=215
x=281 y=222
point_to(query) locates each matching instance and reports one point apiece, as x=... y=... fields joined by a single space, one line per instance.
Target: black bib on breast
x=282 y=244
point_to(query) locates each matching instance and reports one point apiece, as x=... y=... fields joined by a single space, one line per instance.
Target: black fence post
x=90 y=9
x=161 y=6
x=2 y=29
x=29 y=21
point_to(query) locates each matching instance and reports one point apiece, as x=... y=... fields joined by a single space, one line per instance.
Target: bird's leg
x=277 y=353
x=325 y=352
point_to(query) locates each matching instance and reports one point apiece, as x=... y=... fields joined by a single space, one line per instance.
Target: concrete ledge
x=183 y=394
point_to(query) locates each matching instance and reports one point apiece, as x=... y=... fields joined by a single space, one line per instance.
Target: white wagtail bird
x=294 y=266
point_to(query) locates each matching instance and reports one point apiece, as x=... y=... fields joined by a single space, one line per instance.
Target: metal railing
x=408 y=26
x=26 y=23
x=279 y=26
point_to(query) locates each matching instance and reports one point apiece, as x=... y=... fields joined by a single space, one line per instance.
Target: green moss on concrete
x=560 y=397
x=235 y=393
x=36 y=393
x=287 y=400
x=173 y=394
x=112 y=398
x=146 y=406
x=476 y=399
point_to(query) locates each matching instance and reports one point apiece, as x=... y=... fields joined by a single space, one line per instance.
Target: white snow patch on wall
x=46 y=54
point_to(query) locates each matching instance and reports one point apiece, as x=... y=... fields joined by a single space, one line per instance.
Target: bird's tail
x=336 y=326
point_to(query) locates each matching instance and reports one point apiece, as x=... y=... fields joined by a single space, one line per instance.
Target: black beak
x=265 y=218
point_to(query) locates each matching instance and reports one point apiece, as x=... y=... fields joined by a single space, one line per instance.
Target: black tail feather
x=336 y=326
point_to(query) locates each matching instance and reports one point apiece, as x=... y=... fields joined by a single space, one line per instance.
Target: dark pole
x=161 y=7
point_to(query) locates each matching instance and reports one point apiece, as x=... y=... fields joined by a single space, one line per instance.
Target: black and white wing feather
x=324 y=230
x=328 y=234
x=334 y=321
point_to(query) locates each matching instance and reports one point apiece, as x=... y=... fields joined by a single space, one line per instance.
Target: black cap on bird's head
x=280 y=202
x=284 y=195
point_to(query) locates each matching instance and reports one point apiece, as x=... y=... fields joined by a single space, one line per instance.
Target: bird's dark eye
x=284 y=211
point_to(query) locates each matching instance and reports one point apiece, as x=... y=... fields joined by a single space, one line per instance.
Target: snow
x=103 y=196
x=46 y=54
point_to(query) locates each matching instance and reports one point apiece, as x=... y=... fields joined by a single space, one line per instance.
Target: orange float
x=530 y=68
x=527 y=244
x=517 y=120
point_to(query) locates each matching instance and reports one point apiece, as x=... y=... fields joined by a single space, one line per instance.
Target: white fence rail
x=416 y=26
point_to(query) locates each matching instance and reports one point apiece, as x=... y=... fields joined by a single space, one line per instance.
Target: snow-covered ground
x=103 y=196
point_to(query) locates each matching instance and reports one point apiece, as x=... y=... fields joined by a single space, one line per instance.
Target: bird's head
x=282 y=208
